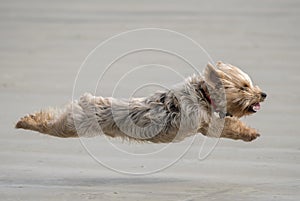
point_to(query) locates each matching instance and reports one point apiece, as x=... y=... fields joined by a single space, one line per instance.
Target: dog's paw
x=26 y=122
x=34 y=121
x=249 y=136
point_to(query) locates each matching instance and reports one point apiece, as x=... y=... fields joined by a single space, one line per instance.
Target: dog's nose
x=263 y=95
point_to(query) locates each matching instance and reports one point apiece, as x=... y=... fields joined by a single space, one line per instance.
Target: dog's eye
x=244 y=87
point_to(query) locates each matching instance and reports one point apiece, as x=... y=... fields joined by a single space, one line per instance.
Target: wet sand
x=42 y=45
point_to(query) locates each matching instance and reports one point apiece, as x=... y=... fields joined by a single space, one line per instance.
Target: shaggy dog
x=211 y=104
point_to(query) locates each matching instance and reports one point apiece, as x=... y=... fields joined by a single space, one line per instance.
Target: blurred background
x=42 y=46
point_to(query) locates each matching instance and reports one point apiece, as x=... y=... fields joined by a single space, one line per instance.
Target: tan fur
x=197 y=105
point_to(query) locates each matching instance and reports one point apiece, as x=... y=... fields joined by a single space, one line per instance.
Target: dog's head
x=242 y=97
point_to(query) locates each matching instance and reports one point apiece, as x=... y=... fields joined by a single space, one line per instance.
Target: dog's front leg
x=235 y=129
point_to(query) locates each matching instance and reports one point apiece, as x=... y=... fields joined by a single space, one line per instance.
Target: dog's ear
x=212 y=75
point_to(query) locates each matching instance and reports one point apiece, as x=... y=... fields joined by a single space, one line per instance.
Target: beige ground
x=42 y=45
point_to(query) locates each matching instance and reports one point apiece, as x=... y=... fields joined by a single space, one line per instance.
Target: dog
x=210 y=104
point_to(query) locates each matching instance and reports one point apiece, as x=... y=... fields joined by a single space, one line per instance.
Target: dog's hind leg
x=49 y=122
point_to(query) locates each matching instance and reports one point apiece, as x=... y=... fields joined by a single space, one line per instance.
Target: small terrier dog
x=210 y=104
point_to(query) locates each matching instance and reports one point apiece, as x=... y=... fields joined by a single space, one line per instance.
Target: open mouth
x=254 y=107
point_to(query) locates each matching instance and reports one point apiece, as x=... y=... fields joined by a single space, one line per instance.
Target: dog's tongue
x=256 y=107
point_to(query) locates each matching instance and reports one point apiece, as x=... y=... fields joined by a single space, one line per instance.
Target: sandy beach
x=42 y=46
